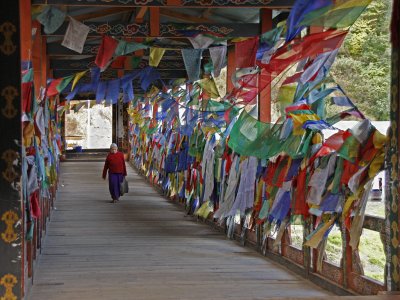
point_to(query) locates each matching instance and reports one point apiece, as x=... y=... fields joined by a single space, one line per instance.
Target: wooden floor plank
x=145 y=247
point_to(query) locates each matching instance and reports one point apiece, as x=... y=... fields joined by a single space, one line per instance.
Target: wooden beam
x=154 y=21
x=274 y=4
x=141 y=13
x=174 y=2
x=231 y=68
x=67 y=64
x=112 y=74
x=102 y=13
x=184 y=17
x=154 y=29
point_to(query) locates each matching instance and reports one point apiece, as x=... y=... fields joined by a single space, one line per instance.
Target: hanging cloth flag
x=343 y=101
x=51 y=18
x=208 y=84
x=245 y=53
x=28 y=76
x=298 y=12
x=52 y=88
x=340 y=14
x=101 y=91
x=75 y=35
x=113 y=91
x=106 y=51
x=148 y=76
x=156 y=55
x=125 y=47
x=64 y=83
x=127 y=87
x=192 y=60
x=27 y=96
x=218 y=57
x=76 y=79
x=201 y=41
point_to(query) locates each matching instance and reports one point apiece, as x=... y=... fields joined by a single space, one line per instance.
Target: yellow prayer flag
x=76 y=78
x=155 y=56
x=314 y=241
x=208 y=84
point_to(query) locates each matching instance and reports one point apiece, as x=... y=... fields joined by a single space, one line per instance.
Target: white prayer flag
x=201 y=41
x=75 y=35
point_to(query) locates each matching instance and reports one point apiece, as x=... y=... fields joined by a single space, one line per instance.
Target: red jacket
x=115 y=162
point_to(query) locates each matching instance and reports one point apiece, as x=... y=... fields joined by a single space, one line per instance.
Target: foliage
x=362 y=67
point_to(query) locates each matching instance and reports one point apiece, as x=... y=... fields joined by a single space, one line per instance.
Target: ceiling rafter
x=102 y=13
x=184 y=17
x=140 y=14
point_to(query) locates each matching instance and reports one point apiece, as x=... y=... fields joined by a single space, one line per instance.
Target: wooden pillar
x=264 y=93
x=392 y=161
x=231 y=68
x=11 y=205
x=154 y=21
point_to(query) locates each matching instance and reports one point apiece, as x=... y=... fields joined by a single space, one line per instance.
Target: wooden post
x=264 y=93
x=392 y=161
x=231 y=68
x=154 y=21
x=12 y=221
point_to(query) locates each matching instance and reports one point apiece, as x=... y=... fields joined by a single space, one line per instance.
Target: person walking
x=115 y=164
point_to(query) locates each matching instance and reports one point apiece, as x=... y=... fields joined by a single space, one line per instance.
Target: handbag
x=124 y=187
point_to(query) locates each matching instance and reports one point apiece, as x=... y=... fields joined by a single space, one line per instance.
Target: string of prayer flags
x=192 y=60
x=218 y=56
x=245 y=53
x=51 y=18
x=75 y=36
x=106 y=51
x=156 y=55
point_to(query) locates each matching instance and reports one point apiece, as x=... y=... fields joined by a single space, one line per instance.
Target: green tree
x=362 y=67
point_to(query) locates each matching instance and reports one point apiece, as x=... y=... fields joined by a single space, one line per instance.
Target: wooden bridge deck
x=146 y=248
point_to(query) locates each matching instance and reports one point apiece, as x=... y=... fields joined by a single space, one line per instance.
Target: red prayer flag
x=106 y=51
x=52 y=89
x=245 y=53
x=27 y=96
x=118 y=62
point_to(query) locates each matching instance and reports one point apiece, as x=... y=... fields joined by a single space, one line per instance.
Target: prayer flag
x=201 y=41
x=77 y=77
x=51 y=18
x=156 y=55
x=245 y=53
x=52 y=88
x=112 y=93
x=218 y=57
x=124 y=47
x=106 y=51
x=75 y=35
x=192 y=60
x=64 y=83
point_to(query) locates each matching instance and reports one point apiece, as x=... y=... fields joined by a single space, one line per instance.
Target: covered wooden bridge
x=217 y=181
